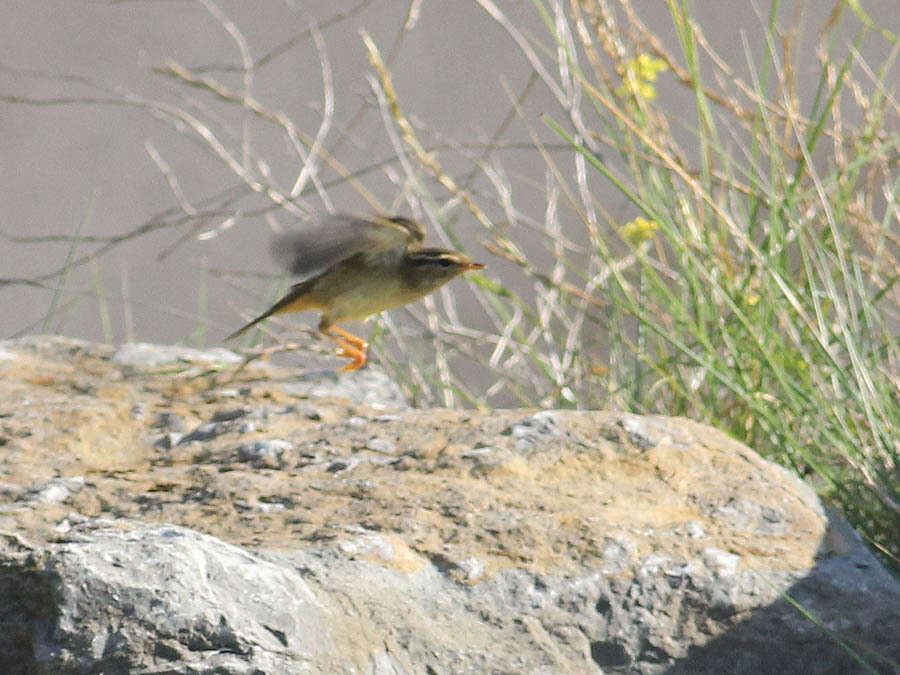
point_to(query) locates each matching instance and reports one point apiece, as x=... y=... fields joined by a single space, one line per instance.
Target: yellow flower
x=639 y=230
x=640 y=73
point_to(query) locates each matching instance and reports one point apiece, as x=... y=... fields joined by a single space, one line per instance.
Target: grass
x=754 y=285
x=755 y=288
x=766 y=302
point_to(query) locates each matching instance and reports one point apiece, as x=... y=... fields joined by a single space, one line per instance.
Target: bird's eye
x=445 y=262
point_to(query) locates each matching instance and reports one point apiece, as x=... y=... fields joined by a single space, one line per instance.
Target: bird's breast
x=348 y=295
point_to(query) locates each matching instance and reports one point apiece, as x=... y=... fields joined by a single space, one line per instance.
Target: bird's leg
x=351 y=346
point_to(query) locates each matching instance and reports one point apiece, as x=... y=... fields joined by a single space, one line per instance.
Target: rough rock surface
x=158 y=516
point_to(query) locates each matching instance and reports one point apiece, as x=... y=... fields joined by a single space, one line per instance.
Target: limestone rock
x=295 y=529
x=120 y=600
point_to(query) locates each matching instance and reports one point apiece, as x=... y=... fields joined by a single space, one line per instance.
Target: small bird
x=355 y=267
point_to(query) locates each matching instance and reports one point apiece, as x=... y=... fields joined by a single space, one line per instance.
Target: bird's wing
x=326 y=241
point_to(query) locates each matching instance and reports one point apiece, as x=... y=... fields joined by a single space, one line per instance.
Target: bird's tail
x=244 y=329
x=295 y=300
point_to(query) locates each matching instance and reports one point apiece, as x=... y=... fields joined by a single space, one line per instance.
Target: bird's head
x=430 y=268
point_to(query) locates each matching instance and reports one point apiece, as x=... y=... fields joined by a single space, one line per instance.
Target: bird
x=353 y=267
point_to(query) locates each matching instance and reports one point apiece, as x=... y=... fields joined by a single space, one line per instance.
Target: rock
x=264 y=453
x=57 y=489
x=169 y=421
x=126 y=597
x=143 y=355
x=168 y=441
x=387 y=540
x=115 y=599
x=381 y=445
x=369 y=386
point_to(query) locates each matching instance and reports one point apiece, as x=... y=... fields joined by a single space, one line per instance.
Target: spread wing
x=325 y=241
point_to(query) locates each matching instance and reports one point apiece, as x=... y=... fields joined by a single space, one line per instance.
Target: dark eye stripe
x=444 y=261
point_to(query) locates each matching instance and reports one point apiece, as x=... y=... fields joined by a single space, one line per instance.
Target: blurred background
x=94 y=169
x=76 y=165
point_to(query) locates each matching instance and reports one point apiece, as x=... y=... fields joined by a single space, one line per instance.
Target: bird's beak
x=473 y=266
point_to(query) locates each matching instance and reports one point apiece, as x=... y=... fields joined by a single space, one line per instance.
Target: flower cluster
x=640 y=74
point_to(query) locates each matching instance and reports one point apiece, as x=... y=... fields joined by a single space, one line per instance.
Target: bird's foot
x=350 y=346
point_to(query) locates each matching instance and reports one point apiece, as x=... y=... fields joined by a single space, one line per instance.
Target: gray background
x=84 y=168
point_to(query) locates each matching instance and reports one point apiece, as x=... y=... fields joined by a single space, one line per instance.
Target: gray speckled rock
x=368 y=386
x=361 y=540
x=144 y=355
x=120 y=599
x=124 y=597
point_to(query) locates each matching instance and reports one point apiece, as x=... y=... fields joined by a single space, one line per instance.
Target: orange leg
x=351 y=346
